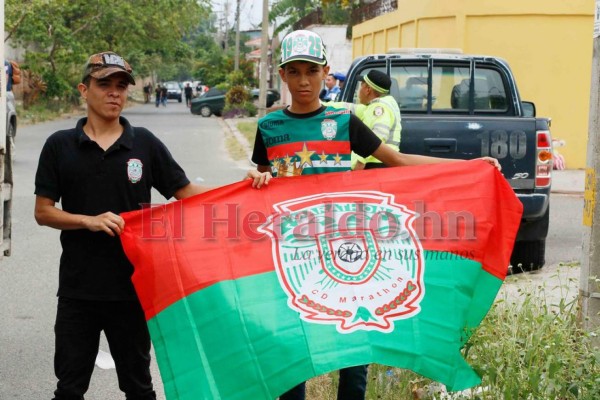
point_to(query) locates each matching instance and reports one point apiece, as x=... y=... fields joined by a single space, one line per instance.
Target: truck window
x=451 y=85
x=409 y=86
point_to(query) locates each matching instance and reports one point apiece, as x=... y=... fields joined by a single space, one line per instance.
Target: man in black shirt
x=99 y=169
x=188 y=94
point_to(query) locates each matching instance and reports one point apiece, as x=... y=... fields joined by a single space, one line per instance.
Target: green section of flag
x=240 y=340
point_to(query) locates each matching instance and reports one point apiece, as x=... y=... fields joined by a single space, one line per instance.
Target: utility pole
x=226 y=30
x=264 y=68
x=589 y=288
x=236 y=64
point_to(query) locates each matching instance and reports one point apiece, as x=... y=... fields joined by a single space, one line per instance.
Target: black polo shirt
x=88 y=180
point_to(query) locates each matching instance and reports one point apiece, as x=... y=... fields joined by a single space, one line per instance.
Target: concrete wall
x=548 y=44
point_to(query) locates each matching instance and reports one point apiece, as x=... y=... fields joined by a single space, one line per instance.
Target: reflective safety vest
x=382 y=116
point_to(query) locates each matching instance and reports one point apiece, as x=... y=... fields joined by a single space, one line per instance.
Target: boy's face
x=304 y=80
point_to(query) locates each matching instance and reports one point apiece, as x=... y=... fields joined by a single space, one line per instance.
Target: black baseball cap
x=379 y=81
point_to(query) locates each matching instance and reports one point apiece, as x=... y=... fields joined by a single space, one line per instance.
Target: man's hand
x=492 y=161
x=108 y=222
x=258 y=178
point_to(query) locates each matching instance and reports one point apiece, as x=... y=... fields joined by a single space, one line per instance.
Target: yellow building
x=547 y=43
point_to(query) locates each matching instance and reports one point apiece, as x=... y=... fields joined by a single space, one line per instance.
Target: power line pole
x=589 y=289
x=226 y=30
x=264 y=67
x=236 y=64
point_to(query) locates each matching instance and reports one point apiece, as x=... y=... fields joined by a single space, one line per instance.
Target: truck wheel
x=528 y=256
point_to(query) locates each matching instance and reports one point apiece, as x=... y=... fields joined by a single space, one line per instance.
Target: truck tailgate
x=508 y=139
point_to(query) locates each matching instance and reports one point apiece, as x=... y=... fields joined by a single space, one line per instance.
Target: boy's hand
x=492 y=161
x=258 y=178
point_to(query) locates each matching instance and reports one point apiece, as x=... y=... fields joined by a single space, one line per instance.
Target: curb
x=566 y=191
x=230 y=125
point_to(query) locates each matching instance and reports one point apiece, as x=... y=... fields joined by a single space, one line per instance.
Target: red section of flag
x=215 y=235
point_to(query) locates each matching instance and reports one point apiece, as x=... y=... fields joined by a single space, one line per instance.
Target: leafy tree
x=58 y=35
x=288 y=12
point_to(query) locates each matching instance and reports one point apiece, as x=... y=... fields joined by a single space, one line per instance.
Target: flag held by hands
x=249 y=292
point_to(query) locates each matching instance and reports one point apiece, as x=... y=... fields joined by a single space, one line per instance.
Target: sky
x=250 y=12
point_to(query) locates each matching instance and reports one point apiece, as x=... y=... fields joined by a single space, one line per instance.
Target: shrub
x=246 y=109
x=237 y=95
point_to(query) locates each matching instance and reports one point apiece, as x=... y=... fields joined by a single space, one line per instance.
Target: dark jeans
x=353 y=385
x=77 y=330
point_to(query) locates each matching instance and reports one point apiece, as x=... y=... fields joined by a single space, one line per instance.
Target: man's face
x=106 y=97
x=330 y=81
x=304 y=80
x=364 y=93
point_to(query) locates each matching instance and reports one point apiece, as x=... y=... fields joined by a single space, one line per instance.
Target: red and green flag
x=248 y=292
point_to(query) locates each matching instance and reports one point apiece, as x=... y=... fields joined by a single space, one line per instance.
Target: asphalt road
x=28 y=279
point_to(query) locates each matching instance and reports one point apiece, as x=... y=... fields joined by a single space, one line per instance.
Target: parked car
x=173 y=91
x=213 y=101
x=209 y=103
x=272 y=96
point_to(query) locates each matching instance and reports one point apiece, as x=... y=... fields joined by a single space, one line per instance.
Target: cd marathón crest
x=351 y=259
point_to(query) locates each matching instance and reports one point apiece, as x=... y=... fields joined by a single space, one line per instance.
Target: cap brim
x=104 y=72
x=310 y=59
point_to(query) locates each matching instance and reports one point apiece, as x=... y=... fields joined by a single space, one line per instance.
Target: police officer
x=379 y=111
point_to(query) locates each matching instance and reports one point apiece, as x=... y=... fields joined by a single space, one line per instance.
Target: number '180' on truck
x=463 y=106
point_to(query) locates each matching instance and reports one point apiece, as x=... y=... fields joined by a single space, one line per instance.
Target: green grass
x=526 y=348
x=42 y=112
x=233 y=146
x=248 y=129
x=48 y=110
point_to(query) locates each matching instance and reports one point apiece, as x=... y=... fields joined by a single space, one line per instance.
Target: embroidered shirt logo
x=349 y=259
x=134 y=170
x=329 y=128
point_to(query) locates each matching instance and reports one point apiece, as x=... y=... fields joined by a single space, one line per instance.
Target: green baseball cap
x=302 y=45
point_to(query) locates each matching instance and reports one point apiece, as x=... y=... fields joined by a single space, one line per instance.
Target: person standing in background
x=157 y=94
x=164 y=95
x=189 y=93
x=331 y=90
x=147 y=92
x=379 y=111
